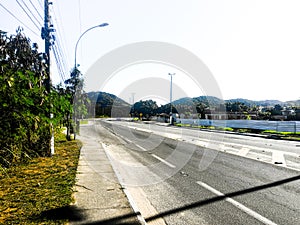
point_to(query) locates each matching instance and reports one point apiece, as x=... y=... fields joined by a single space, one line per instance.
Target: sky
x=250 y=47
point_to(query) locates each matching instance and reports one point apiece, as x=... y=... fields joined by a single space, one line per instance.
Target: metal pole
x=75 y=63
x=100 y=25
x=132 y=94
x=171 y=87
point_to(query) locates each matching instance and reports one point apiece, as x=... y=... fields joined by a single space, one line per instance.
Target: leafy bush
x=25 y=104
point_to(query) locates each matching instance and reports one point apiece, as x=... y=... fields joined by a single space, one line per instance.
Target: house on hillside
x=288 y=112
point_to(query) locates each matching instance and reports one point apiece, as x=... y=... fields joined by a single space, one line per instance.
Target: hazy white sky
x=252 y=47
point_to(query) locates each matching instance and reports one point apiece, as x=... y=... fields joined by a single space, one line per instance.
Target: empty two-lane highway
x=183 y=178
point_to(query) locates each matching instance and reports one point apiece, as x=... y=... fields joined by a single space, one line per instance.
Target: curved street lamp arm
x=100 y=25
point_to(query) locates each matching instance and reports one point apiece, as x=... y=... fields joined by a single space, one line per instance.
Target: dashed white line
x=163 y=161
x=278 y=158
x=238 y=205
x=137 y=145
x=243 y=151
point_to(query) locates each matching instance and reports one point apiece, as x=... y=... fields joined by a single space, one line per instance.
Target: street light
x=171 y=114
x=75 y=64
x=91 y=28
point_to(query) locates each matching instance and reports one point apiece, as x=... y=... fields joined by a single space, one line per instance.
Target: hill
x=107 y=105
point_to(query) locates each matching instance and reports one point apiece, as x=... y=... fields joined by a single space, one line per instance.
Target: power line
x=36 y=10
x=59 y=52
x=19 y=20
x=60 y=60
x=38 y=27
x=40 y=3
x=61 y=41
x=32 y=13
x=58 y=63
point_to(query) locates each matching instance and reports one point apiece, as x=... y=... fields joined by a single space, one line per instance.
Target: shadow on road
x=73 y=214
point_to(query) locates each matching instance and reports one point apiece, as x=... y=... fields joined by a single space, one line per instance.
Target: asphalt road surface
x=186 y=176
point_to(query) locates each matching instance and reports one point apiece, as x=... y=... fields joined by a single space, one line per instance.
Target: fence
x=286 y=126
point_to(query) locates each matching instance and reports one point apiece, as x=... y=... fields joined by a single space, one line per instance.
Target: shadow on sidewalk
x=73 y=214
x=76 y=215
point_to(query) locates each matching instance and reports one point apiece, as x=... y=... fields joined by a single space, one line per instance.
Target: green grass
x=83 y=122
x=280 y=132
x=28 y=191
x=295 y=136
x=182 y=125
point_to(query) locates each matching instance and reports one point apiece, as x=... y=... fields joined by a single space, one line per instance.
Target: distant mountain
x=209 y=100
x=248 y=102
x=105 y=104
x=183 y=101
x=106 y=98
x=293 y=103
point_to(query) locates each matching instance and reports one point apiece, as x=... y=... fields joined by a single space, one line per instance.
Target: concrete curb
x=99 y=197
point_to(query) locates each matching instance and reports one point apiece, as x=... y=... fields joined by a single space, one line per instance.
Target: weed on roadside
x=28 y=191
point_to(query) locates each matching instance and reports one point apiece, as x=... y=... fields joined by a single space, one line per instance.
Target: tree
x=201 y=110
x=78 y=100
x=23 y=100
x=25 y=104
x=147 y=108
x=277 y=110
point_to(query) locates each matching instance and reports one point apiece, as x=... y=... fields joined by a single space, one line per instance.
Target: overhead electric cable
x=28 y=15
x=61 y=41
x=19 y=20
x=41 y=4
x=36 y=10
x=37 y=20
x=59 y=66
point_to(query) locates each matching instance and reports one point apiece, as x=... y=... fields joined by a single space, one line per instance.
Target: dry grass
x=28 y=191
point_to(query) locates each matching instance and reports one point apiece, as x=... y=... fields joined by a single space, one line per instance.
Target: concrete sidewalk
x=99 y=198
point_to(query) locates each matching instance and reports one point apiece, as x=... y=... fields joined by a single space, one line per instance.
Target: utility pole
x=46 y=35
x=171 y=113
x=132 y=94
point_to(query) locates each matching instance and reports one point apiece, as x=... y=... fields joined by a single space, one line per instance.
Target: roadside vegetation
x=32 y=181
x=29 y=191
x=29 y=105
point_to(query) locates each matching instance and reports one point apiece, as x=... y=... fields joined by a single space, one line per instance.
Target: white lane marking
x=163 y=161
x=140 y=147
x=243 y=152
x=238 y=205
x=131 y=142
x=221 y=147
x=278 y=158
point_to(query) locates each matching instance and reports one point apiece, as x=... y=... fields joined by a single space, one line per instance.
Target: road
x=181 y=175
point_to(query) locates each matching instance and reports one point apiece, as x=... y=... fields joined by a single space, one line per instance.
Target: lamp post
x=75 y=62
x=171 y=114
x=91 y=28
